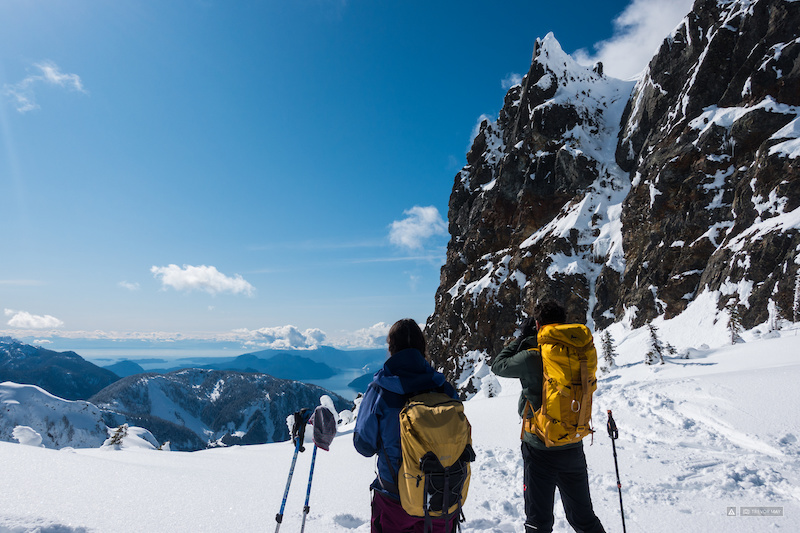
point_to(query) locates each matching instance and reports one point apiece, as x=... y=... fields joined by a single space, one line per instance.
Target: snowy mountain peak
x=548 y=53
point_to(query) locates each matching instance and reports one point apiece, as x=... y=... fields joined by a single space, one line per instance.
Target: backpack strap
x=584 y=415
x=428 y=527
x=388 y=486
x=527 y=421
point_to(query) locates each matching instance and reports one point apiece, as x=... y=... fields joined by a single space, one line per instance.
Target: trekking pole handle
x=612 y=427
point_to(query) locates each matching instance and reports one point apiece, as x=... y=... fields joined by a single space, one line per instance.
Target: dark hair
x=549 y=312
x=404 y=334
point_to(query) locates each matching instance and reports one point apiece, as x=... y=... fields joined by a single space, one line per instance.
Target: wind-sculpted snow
x=56 y=422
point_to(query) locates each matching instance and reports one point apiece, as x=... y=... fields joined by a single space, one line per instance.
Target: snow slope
x=697 y=437
x=56 y=421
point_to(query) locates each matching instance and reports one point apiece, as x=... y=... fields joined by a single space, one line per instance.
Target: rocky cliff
x=628 y=201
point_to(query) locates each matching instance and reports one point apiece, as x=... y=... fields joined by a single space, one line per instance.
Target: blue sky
x=268 y=172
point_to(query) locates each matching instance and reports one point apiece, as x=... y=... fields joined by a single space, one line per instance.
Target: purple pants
x=388 y=516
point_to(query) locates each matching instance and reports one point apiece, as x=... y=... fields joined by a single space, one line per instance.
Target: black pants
x=563 y=468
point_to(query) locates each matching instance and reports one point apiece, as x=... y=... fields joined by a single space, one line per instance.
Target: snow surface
x=698 y=436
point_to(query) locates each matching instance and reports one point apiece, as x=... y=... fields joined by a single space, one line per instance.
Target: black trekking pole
x=279 y=516
x=306 y=508
x=614 y=434
x=298 y=433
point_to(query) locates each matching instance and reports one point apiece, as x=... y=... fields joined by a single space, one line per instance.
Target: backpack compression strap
x=585 y=412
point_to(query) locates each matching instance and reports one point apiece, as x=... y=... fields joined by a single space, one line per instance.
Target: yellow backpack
x=569 y=362
x=436 y=447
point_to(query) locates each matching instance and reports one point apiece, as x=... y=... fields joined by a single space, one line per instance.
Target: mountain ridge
x=64 y=374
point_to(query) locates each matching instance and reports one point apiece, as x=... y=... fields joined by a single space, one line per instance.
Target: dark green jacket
x=516 y=360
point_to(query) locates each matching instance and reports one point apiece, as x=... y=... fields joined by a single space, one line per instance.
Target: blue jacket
x=405 y=374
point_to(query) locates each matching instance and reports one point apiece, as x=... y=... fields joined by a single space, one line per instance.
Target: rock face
x=627 y=201
x=64 y=374
x=197 y=408
x=710 y=139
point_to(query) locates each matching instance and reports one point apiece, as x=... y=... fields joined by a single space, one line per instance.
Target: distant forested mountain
x=64 y=374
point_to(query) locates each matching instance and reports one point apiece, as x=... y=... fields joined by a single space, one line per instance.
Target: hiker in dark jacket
x=406 y=373
x=546 y=468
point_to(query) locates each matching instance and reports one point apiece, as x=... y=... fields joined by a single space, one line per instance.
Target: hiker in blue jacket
x=406 y=373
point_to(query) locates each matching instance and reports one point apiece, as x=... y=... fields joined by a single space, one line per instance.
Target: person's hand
x=528 y=328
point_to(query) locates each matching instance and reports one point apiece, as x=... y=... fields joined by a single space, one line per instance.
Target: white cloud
x=22 y=93
x=201 y=278
x=511 y=80
x=420 y=224
x=25 y=320
x=130 y=286
x=282 y=337
x=371 y=337
x=54 y=76
x=639 y=32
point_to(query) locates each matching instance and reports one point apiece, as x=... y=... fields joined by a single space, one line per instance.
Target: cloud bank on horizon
x=40 y=330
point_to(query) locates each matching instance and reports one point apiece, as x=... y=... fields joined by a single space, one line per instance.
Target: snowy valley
x=698 y=437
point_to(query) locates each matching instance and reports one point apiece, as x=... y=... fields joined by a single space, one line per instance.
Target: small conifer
x=609 y=351
x=119 y=434
x=657 y=347
x=796 y=304
x=734 y=320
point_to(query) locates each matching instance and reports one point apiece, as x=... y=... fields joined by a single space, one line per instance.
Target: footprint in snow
x=349 y=521
x=789 y=444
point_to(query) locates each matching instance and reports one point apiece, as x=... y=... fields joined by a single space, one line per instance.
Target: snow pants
x=563 y=468
x=388 y=516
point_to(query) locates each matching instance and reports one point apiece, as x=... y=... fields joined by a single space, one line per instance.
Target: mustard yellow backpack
x=569 y=362
x=436 y=448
